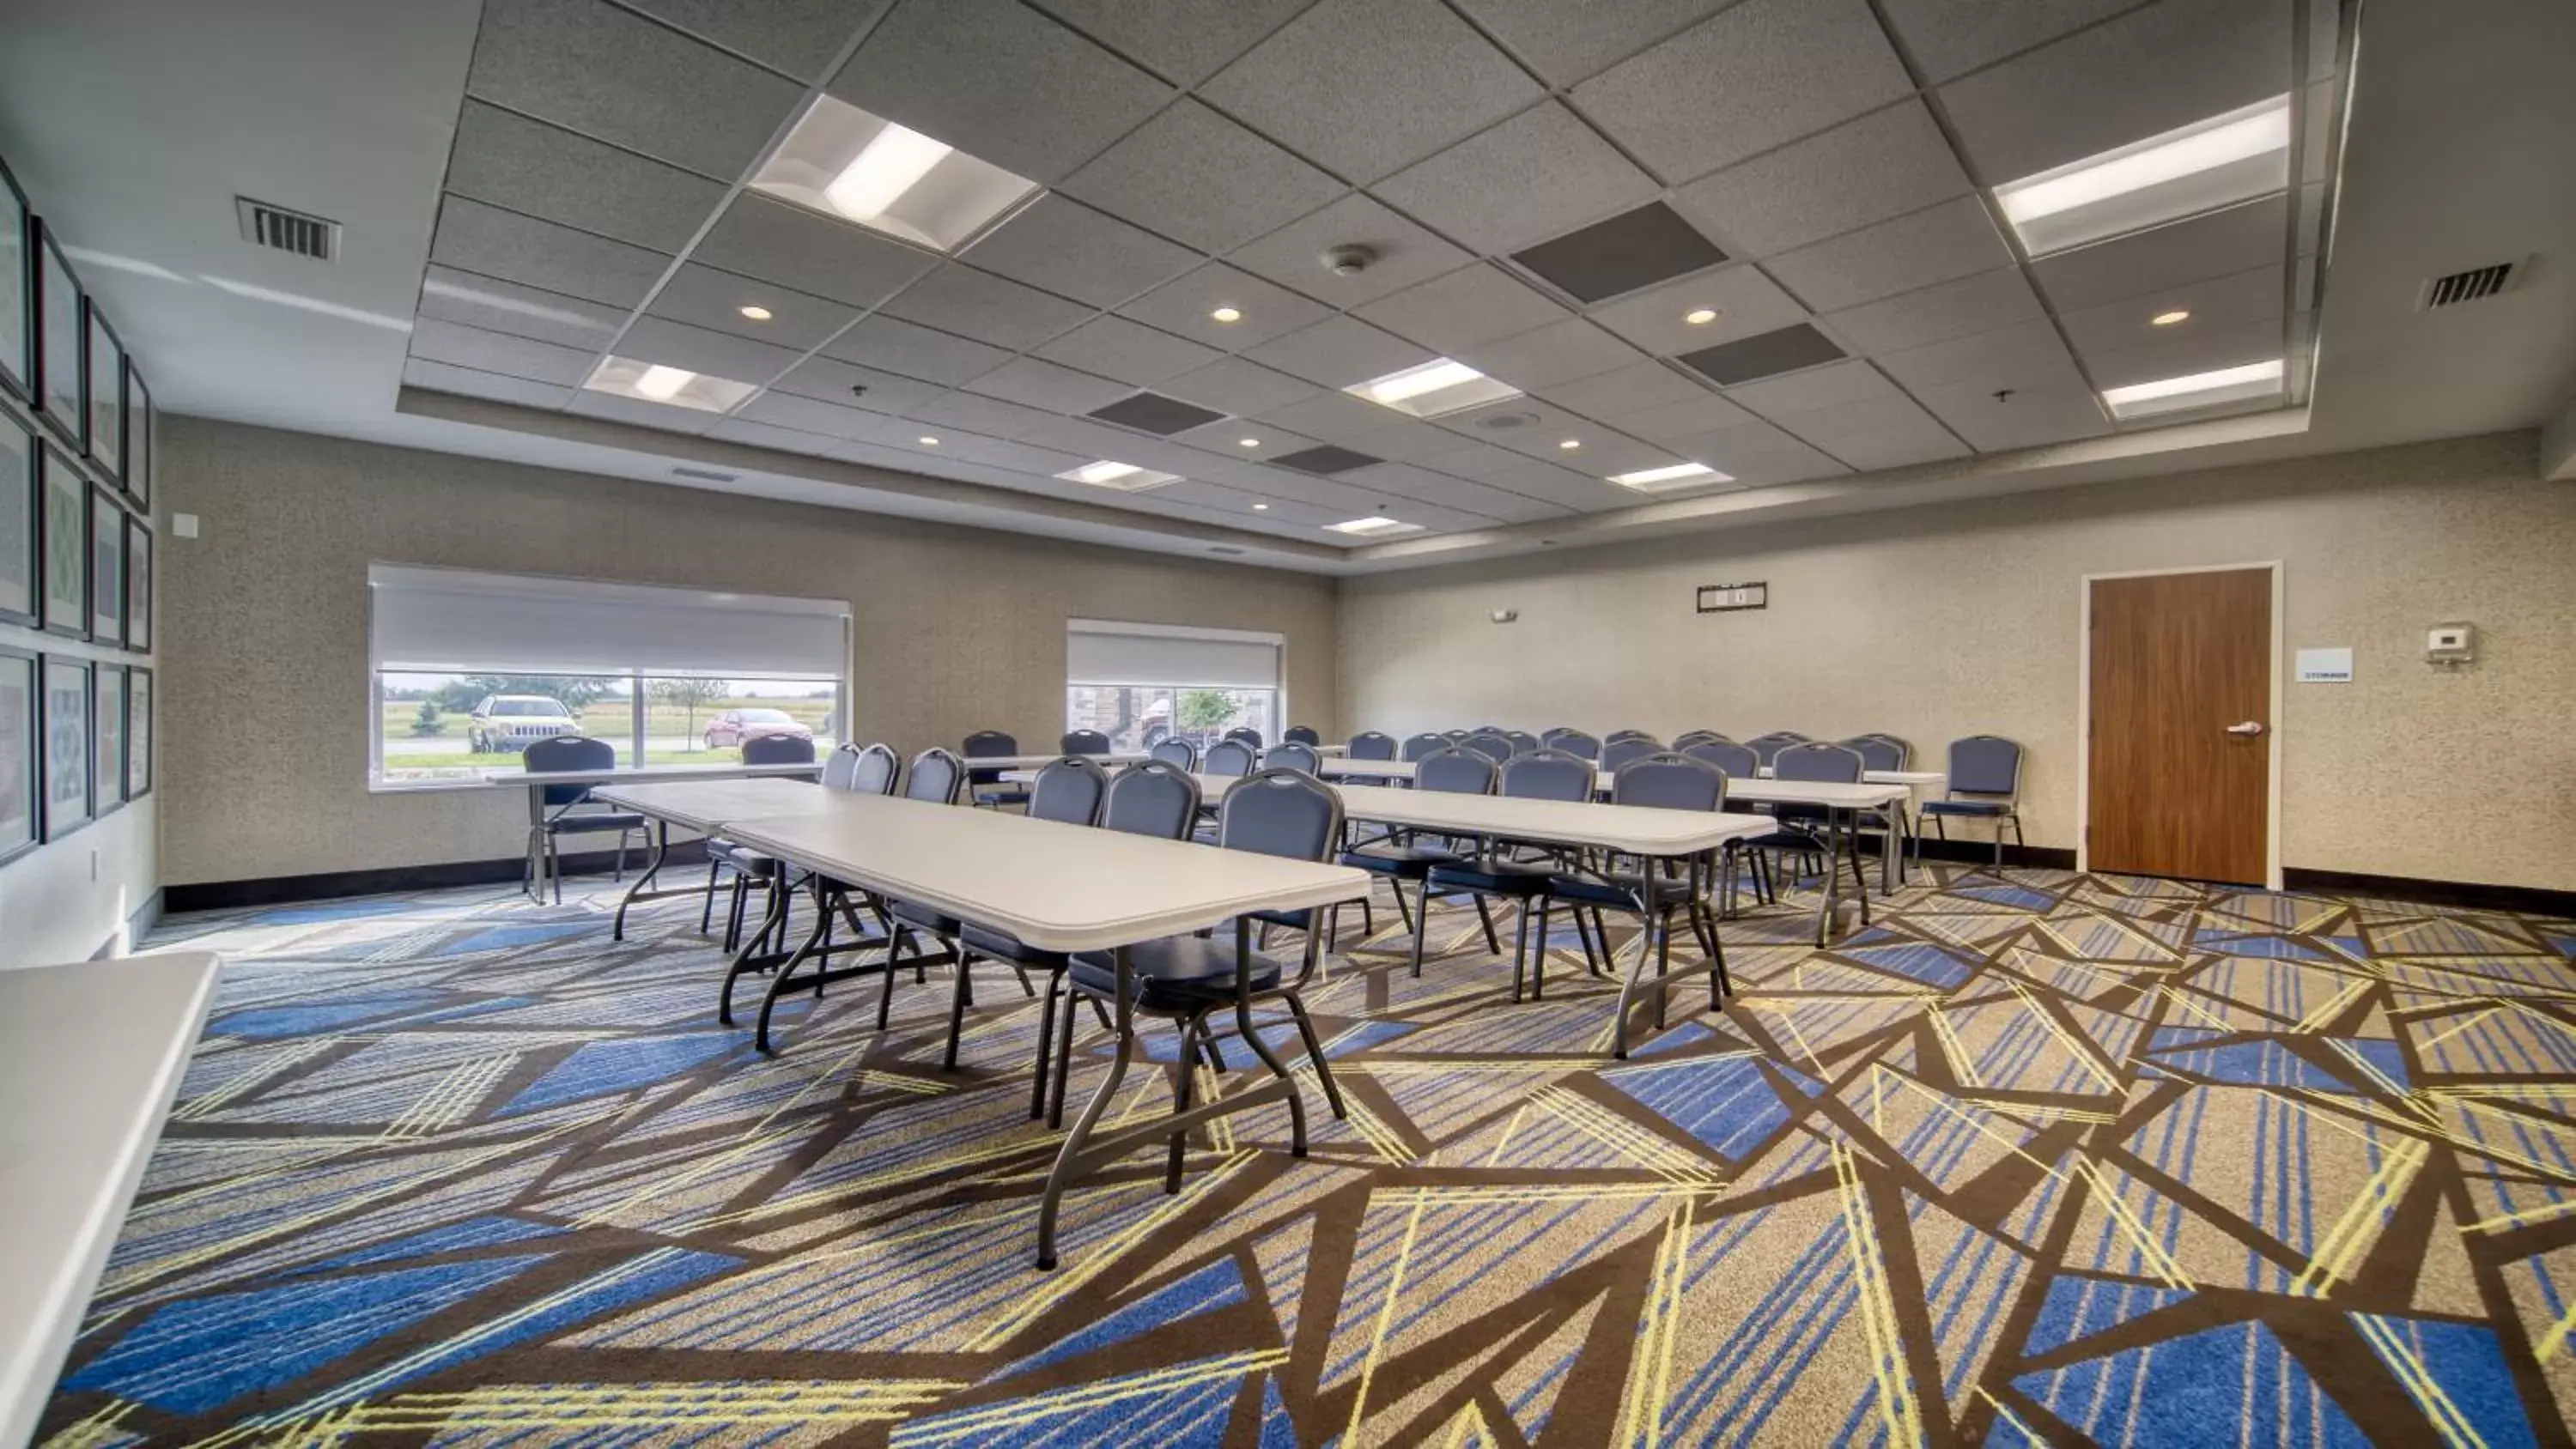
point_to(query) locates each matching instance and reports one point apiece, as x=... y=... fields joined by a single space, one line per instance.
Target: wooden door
x=2180 y=781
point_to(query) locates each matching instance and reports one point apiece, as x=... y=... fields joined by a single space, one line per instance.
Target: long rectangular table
x=701 y=806
x=540 y=781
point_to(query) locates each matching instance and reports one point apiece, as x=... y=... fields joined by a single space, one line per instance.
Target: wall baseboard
x=225 y=895
x=2469 y=895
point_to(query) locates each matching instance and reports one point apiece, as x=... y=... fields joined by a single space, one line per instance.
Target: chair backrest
x=838 y=769
x=1738 y=761
x=1493 y=744
x=1228 y=757
x=983 y=745
x=1455 y=771
x=1877 y=752
x=1371 y=745
x=1292 y=756
x=1765 y=746
x=1617 y=753
x=1617 y=735
x=1245 y=734
x=564 y=754
x=1302 y=735
x=1818 y=762
x=1455 y=735
x=1573 y=742
x=1177 y=752
x=1904 y=748
x=1084 y=742
x=1979 y=765
x=874 y=770
x=1548 y=775
x=1069 y=790
x=1424 y=744
x=1687 y=738
x=1155 y=798
x=1280 y=812
x=1523 y=742
x=1667 y=781
x=777 y=750
x=937 y=776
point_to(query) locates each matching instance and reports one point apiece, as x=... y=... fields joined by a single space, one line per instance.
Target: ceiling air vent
x=704 y=475
x=2471 y=285
x=288 y=231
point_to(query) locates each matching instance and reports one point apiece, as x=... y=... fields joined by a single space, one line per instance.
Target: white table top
x=704 y=805
x=90 y=1056
x=1863 y=796
x=625 y=773
x=1892 y=777
x=1031 y=762
x=1057 y=887
x=1630 y=829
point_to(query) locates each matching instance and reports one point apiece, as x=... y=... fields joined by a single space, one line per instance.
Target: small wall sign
x=1726 y=598
x=2325 y=666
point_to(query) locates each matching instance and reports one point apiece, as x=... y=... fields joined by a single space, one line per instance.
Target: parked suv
x=504 y=724
x=734 y=726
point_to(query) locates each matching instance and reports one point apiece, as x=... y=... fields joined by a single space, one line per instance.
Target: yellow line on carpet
x=1385 y=1318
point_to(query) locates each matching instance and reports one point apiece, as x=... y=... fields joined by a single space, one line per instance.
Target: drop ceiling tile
x=447 y=377
x=1539 y=174
x=1153 y=412
x=2252 y=295
x=1903 y=447
x=1191 y=174
x=1559 y=352
x=1567 y=43
x=663 y=417
x=1184 y=306
x=1637 y=248
x=1605 y=452
x=1232 y=385
x=550 y=173
x=993 y=417
x=1001 y=82
x=2220 y=244
x=1404 y=440
x=611 y=74
x=2026 y=357
x=1067 y=248
x=498 y=352
x=2156 y=68
x=1948 y=309
x=1286 y=514
x=1687 y=418
x=706 y=297
x=1565 y=488
x=1336 y=417
x=800 y=37
x=1746 y=80
x=1314 y=490
x=1088 y=439
x=897 y=346
x=1747 y=303
x=1884 y=164
x=1186 y=50
x=1404 y=78
x=1844 y=384
x=2184 y=350
x=718 y=354
x=1785 y=349
x=2057 y=413
x=741 y=429
x=1469 y=459
x=1612 y=395
x=1129 y=351
x=770 y=241
x=495 y=243
x=1293 y=255
x=1406 y=481
x=1471 y=305
x=1940 y=243
x=806 y=415
x=1225 y=439
x=1881 y=412
x=1045 y=385
x=1523 y=425
x=1758 y=454
x=826 y=380
x=987 y=308
x=498 y=306
x=1950 y=37
x=998 y=453
x=1339 y=352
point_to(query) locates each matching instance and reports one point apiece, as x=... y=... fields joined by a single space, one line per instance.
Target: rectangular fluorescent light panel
x=844 y=162
x=1125 y=477
x=2202 y=167
x=1664 y=480
x=1379 y=526
x=2199 y=390
x=1435 y=388
x=675 y=387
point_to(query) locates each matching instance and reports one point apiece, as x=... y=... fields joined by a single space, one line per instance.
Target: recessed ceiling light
x=2197 y=390
x=1675 y=475
x=1227 y=314
x=1377 y=526
x=659 y=383
x=1700 y=316
x=1247 y=442
x=1432 y=389
x=1261 y=508
x=928 y=441
x=1125 y=477
x=2167 y=319
x=1571 y=443
x=662 y=383
x=845 y=162
x=2209 y=164
x=757 y=314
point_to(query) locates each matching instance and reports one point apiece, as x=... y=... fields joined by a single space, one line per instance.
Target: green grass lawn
x=612 y=719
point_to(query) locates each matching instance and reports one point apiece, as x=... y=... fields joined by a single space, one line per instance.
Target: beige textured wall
x=264 y=634
x=1933 y=624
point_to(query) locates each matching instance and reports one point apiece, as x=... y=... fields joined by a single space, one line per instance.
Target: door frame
x=2084 y=711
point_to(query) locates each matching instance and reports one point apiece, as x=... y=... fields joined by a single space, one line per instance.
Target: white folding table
x=1032 y=762
x=700 y=806
x=539 y=781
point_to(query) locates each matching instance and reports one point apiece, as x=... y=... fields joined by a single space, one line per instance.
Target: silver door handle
x=2249 y=727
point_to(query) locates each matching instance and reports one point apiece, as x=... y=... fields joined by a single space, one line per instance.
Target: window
x=470 y=669
x=1141 y=684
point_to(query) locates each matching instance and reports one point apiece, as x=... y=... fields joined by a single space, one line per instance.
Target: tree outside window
x=689 y=696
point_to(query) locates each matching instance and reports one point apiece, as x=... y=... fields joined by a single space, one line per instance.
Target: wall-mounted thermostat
x=2448 y=646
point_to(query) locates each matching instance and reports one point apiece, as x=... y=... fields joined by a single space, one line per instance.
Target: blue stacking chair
x=1573 y=742
x=989 y=787
x=555 y=811
x=1461 y=772
x=1302 y=735
x=1084 y=742
x=1178 y=753
x=1985 y=784
x=1663 y=781
x=1547 y=775
x=1229 y=756
x=1292 y=756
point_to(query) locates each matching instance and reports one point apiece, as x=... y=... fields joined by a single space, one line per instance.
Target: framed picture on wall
x=142 y=440
x=62 y=544
x=58 y=335
x=107 y=739
x=17 y=329
x=65 y=721
x=138 y=732
x=104 y=390
x=106 y=568
x=18 y=450
x=21 y=810
x=138 y=586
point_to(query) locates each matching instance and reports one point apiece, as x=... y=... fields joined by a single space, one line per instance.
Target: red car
x=734 y=726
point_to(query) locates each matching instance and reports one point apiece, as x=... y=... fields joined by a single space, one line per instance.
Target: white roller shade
x=448 y=621
x=1101 y=652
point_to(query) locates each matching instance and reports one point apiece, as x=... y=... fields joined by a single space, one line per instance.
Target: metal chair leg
x=1421 y=920
x=957 y=1000
x=1046 y=1047
x=1184 y=1077
x=885 y=993
x=1493 y=943
x=1538 y=959
x=1314 y=1049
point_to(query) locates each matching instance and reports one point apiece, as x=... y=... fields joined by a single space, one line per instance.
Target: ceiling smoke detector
x=1349 y=260
x=1506 y=422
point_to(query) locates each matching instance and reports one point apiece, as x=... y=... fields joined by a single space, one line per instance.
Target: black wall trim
x=225 y=895
x=1976 y=852
x=2529 y=900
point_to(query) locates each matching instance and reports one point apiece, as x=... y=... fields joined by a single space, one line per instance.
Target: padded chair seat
x=1003 y=946
x=1494 y=877
x=1966 y=807
x=740 y=857
x=1619 y=891
x=582 y=823
x=1178 y=971
x=1786 y=840
x=921 y=917
x=1410 y=863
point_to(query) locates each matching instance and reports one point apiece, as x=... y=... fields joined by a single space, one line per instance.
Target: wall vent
x=2470 y=286
x=705 y=475
x=279 y=229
